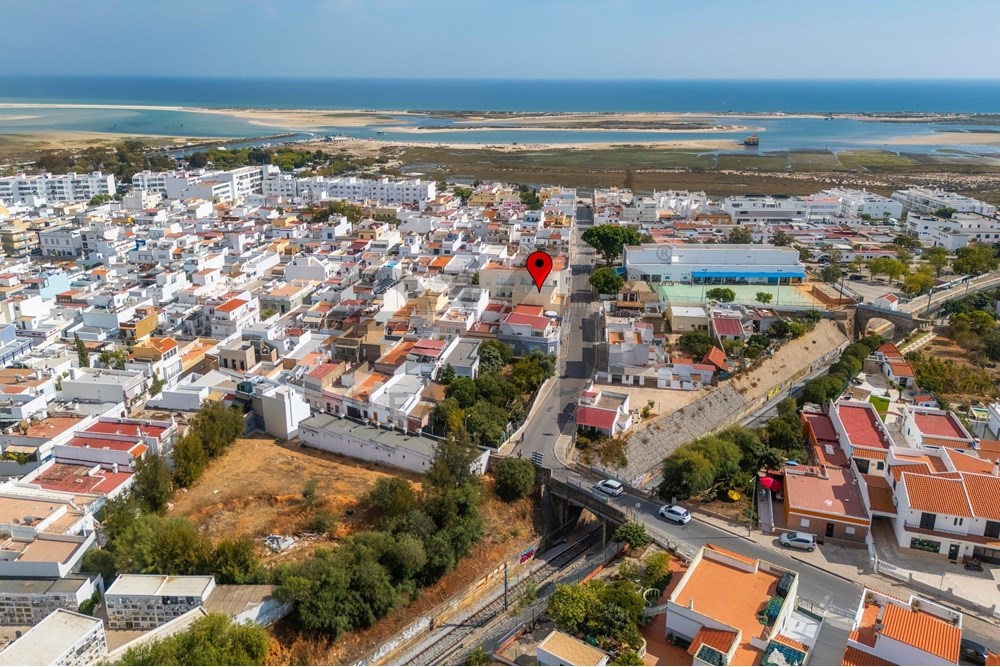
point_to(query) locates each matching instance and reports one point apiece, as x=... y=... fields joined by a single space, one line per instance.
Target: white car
x=610 y=487
x=675 y=513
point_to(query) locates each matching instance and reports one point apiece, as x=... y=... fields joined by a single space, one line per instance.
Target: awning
x=20 y=449
x=771 y=484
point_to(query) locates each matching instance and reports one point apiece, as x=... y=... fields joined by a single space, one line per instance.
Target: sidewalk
x=850 y=564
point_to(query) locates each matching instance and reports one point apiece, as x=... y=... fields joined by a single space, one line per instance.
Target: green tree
x=764 y=297
x=82 y=356
x=190 y=459
x=448 y=417
x=392 y=497
x=152 y=482
x=101 y=561
x=212 y=640
x=114 y=359
x=697 y=343
x=919 y=282
x=218 y=427
x=937 y=258
x=452 y=464
x=477 y=656
x=515 y=479
x=894 y=268
x=634 y=534
x=494 y=355
x=530 y=372
x=905 y=242
x=945 y=212
x=606 y=281
x=991 y=344
x=779 y=329
x=740 y=236
x=629 y=657
x=820 y=390
x=974 y=260
x=156 y=385
x=464 y=391
x=235 y=561
x=168 y=546
x=723 y=294
x=447 y=375
x=686 y=472
x=781 y=238
x=609 y=240
x=488 y=422
x=830 y=273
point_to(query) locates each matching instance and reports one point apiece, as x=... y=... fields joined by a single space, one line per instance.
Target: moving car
x=610 y=487
x=973 y=652
x=675 y=513
x=804 y=541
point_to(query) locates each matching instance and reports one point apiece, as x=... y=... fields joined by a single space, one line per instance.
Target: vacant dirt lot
x=256 y=487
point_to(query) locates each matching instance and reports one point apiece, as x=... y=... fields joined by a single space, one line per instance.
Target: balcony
x=953 y=535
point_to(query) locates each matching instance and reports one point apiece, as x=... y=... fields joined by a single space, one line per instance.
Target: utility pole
x=505 y=586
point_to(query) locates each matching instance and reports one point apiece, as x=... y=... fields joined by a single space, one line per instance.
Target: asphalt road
x=577 y=357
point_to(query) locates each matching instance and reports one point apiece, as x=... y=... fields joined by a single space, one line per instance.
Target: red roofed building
x=727 y=328
x=81 y=479
x=890 y=631
x=717 y=359
x=933 y=427
x=603 y=411
x=528 y=329
x=857 y=424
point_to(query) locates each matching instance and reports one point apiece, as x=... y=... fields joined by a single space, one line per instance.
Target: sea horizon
x=542 y=95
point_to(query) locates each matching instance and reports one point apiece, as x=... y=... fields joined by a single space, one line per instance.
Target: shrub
x=634 y=534
x=515 y=479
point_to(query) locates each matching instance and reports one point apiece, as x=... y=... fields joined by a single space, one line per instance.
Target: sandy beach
x=945 y=138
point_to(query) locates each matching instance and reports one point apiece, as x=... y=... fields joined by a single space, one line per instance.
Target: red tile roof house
x=603 y=411
x=931 y=427
x=825 y=500
x=727 y=328
x=890 y=631
x=858 y=425
x=953 y=513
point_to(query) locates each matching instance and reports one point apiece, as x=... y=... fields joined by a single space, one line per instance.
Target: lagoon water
x=727 y=98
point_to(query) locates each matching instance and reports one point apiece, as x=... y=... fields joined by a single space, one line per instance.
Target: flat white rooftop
x=48 y=641
x=159 y=584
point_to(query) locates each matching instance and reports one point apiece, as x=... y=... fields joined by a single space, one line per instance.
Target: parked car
x=675 y=513
x=610 y=487
x=804 y=541
x=855 y=276
x=973 y=652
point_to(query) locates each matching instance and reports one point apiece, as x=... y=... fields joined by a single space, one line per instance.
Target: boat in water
x=752 y=140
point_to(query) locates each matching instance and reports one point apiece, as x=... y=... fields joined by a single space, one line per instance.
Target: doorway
x=953 y=552
x=829 y=530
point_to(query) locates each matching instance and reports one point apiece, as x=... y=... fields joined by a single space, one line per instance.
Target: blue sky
x=506 y=39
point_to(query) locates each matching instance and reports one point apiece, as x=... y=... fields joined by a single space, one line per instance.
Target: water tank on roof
x=551 y=313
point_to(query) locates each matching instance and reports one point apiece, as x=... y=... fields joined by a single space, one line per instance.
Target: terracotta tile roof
x=865 y=632
x=856 y=658
x=936 y=494
x=791 y=643
x=732 y=554
x=940 y=425
x=965 y=463
x=571 y=650
x=596 y=417
x=983 y=492
x=870 y=454
x=717 y=358
x=912 y=468
x=720 y=640
x=879 y=494
x=923 y=631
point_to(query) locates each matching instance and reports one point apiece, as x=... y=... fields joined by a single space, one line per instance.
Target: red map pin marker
x=539 y=266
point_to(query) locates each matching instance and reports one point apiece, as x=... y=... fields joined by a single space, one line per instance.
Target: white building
x=407 y=451
x=57 y=187
x=888 y=630
x=61 y=242
x=954 y=232
x=927 y=200
x=146 y=601
x=713 y=264
x=856 y=203
x=754 y=209
x=316 y=188
x=63 y=638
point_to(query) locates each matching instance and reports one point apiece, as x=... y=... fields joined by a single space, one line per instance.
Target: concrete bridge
x=567 y=496
x=903 y=321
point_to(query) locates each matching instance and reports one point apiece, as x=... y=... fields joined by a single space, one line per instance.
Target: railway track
x=444 y=646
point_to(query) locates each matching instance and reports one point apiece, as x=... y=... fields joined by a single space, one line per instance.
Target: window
x=957 y=521
x=804 y=523
x=848 y=530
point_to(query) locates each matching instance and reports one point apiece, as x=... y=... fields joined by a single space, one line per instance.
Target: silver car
x=610 y=487
x=804 y=541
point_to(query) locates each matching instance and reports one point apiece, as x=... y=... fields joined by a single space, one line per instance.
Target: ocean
x=711 y=97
